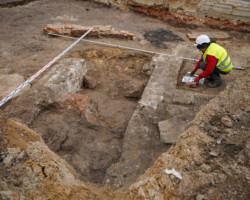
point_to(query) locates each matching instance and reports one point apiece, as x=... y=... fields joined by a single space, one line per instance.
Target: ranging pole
x=3 y=101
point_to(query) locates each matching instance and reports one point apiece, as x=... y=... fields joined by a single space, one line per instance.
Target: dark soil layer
x=158 y=37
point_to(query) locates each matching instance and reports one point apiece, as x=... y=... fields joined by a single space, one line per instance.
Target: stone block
x=159 y=58
x=173 y=109
x=234 y=11
x=183 y=99
x=242 y=11
x=205 y=7
x=8 y=160
x=147 y=3
x=225 y=9
x=227 y=121
x=154 y=87
x=167 y=69
x=66 y=76
x=212 y=35
x=164 y=76
x=170 y=130
x=116 y=3
x=151 y=101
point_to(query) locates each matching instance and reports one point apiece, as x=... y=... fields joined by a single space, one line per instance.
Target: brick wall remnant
x=231 y=13
x=77 y=31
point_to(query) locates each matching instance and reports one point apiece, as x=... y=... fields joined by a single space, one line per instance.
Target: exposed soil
x=160 y=36
x=115 y=81
x=229 y=146
x=92 y=147
x=11 y=3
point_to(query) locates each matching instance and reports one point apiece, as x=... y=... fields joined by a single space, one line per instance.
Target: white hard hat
x=202 y=39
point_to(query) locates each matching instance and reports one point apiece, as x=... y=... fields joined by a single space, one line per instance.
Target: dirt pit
x=92 y=141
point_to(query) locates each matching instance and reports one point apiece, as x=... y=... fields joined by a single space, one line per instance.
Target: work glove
x=192 y=73
x=197 y=79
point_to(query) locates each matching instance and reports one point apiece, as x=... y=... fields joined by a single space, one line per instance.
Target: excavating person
x=214 y=61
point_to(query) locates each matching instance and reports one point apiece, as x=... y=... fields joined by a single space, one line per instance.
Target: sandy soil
x=24 y=49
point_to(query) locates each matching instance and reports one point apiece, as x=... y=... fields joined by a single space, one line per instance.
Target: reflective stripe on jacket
x=224 y=62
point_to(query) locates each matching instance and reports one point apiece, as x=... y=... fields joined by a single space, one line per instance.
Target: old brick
x=78 y=30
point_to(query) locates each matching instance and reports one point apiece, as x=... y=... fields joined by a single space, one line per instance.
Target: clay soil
x=91 y=148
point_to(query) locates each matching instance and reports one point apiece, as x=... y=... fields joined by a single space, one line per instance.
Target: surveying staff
x=214 y=61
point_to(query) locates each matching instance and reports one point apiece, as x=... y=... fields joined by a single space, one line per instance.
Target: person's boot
x=209 y=78
x=214 y=83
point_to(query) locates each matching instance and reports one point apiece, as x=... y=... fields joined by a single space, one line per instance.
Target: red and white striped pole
x=4 y=100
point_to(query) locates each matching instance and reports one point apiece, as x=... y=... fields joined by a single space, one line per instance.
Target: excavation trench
x=128 y=110
x=87 y=128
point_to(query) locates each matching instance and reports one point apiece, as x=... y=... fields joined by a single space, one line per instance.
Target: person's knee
x=220 y=72
x=224 y=73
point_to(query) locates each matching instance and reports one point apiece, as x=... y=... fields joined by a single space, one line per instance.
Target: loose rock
x=21 y=156
x=200 y=197
x=227 y=121
x=228 y=131
x=205 y=168
x=89 y=82
x=8 y=160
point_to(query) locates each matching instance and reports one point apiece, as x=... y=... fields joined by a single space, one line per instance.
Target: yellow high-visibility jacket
x=224 y=62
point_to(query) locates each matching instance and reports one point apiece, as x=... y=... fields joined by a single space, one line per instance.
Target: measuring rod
x=42 y=70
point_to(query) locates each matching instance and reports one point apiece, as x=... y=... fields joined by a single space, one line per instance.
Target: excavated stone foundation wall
x=233 y=11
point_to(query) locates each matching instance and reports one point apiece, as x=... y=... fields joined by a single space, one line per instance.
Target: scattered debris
x=200 y=197
x=227 y=121
x=175 y=173
x=214 y=154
